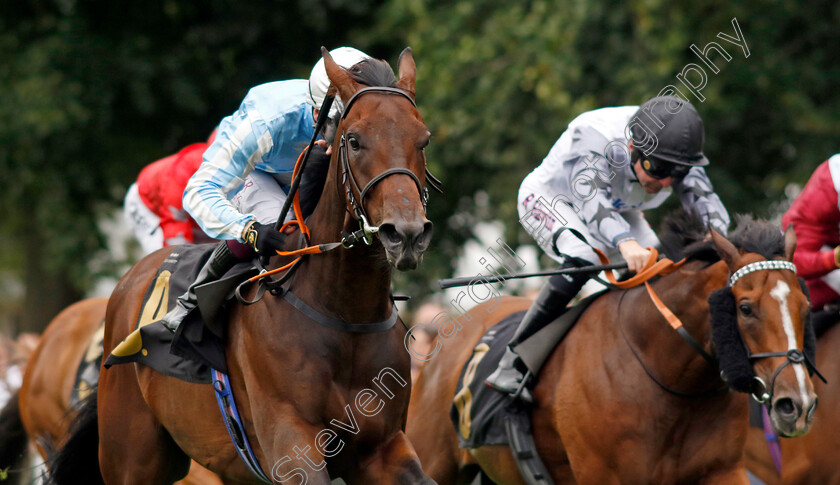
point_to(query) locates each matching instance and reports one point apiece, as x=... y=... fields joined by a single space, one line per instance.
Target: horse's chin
x=402 y=261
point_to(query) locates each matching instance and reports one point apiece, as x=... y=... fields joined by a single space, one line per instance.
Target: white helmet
x=319 y=82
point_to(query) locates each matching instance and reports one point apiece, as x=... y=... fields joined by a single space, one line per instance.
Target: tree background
x=93 y=91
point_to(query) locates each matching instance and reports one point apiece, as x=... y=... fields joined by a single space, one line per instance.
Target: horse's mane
x=684 y=235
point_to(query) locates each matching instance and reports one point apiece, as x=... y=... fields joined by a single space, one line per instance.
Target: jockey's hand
x=326 y=146
x=264 y=238
x=635 y=255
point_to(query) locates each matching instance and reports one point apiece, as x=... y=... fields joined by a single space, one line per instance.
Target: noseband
x=762 y=393
x=351 y=187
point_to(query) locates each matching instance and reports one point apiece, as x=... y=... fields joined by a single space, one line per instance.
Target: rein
x=763 y=394
x=653 y=268
x=366 y=231
x=652 y=376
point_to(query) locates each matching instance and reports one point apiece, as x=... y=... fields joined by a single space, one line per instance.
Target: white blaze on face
x=780 y=294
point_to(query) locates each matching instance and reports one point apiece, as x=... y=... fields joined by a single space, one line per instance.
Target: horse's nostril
x=811 y=410
x=786 y=407
x=425 y=236
x=389 y=234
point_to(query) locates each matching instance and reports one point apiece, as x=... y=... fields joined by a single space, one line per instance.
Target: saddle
x=198 y=344
x=480 y=413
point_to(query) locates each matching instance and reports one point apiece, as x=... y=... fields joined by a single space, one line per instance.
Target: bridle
x=762 y=393
x=351 y=187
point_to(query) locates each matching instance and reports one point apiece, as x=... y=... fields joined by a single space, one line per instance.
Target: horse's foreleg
x=293 y=441
x=134 y=448
x=394 y=462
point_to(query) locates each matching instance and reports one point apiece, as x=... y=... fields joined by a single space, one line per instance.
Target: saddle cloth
x=198 y=348
x=478 y=411
x=87 y=374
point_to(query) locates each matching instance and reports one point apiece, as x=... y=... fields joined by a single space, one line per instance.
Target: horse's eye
x=354 y=143
x=746 y=309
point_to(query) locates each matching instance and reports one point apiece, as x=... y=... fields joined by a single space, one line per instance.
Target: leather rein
x=657 y=267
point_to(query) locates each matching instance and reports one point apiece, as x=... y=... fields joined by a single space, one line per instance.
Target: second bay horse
x=624 y=399
x=45 y=407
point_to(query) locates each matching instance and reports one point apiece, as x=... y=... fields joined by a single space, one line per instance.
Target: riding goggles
x=660 y=170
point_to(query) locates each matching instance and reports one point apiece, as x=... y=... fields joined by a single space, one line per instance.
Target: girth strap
x=233 y=423
x=337 y=324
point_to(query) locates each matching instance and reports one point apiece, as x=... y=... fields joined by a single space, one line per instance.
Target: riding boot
x=550 y=303
x=220 y=261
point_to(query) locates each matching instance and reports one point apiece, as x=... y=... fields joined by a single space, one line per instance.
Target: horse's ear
x=407 y=71
x=339 y=78
x=790 y=242
x=727 y=251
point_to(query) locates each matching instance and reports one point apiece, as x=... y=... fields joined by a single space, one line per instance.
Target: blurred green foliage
x=93 y=91
x=499 y=81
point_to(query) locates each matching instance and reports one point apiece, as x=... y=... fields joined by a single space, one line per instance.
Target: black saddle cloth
x=190 y=353
x=478 y=411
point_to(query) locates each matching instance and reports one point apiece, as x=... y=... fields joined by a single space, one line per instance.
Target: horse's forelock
x=373 y=72
x=758 y=236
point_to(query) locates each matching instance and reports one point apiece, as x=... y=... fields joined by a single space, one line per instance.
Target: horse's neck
x=685 y=293
x=351 y=284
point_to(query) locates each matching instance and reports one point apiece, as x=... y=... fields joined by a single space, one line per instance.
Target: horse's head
x=380 y=145
x=761 y=330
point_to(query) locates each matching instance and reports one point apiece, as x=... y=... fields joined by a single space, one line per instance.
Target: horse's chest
x=370 y=407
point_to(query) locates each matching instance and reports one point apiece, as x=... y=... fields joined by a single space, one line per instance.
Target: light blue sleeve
x=240 y=144
x=267 y=133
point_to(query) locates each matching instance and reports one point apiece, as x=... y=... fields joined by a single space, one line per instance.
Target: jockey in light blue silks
x=240 y=188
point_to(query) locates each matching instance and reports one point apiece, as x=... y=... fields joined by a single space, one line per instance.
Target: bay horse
x=623 y=399
x=44 y=405
x=316 y=401
x=812 y=458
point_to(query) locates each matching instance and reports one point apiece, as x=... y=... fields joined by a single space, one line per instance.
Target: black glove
x=264 y=239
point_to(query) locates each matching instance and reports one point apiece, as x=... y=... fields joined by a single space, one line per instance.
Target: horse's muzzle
x=791 y=416
x=405 y=242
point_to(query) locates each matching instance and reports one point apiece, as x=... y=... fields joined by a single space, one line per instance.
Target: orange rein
x=651 y=268
x=299 y=222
